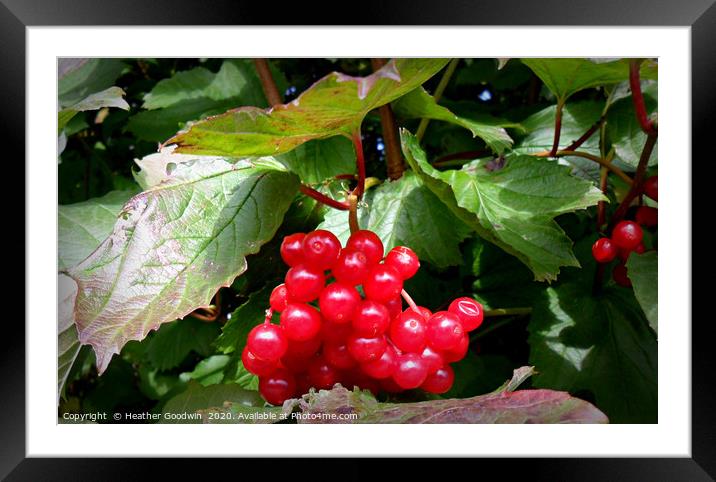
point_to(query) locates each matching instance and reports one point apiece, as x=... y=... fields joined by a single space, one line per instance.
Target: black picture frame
x=16 y=15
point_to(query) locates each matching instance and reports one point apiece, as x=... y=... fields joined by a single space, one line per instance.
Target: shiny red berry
x=404 y=260
x=304 y=283
x=624 y=254
x=337 y=354
x=321 y=249
x=369 y=243
x=444 y=331
x=457 y=353
x=292 y=249
x=650 y=188
x=365 y=350
x=300 y=322
x=470 y=312
x=410 y=371
x=395 y=306
x=335 y=332
x=408 y=331
x=627 y=235
x=338 y=302
x=267 y=342
x=322 y=375
x=439 y=381
x=433 y=359
x=383 y=284
x=352 y=267
x=303 y=348
x=647 y=216
x=382 y=367
x=257 y=366
x=619 y=274
x=604 y=250
x=277 y=387
x=371 y=319
x=279 y=298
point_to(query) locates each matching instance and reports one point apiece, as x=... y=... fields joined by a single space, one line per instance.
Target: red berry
x=432 y=358
x=624 y=254
x=277 y=387
x=303 y=384
x=303 y=349
x=382 y=284
x=404 y=260
x=410 y=371
x=337 y=354
x=469 y=311
x=300 y=321
x=395 y=306
x=321 y=374
x=408 y=331
x=647 y=216
x=321 y=249
x=604 y=250
x=257 y=366
x=356 y=378
x=388 y=385
x=444 y=331
x=369 y=243
x=304 y=284
x=627 y=235
x=338 y=302
x=383 y=367
x=440 y=381
x=292 y=249
x=352 y=267
x=279 y=298
x=371 y=319
x=459 y=352
x=650 y=188
x=619 y=274
x=295 y=363
x=335 y=332
x=267 y=342
x=365 y=350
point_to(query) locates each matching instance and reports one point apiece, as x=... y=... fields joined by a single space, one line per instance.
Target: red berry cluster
x=329 y=333
x=627 y=236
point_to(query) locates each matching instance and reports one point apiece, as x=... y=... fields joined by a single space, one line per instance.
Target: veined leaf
x=111 y=97
x=405 y=212
x=643 y=271
x=319 y=160
x=513 y=206
x=175 y=245
x=335 y=105
x=81 y=77
x=564 y=77
x=626 y=134
x=420 y=104
x=175 y=340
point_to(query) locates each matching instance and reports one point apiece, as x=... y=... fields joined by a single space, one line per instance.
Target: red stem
x=269 y=315
x=267 y=83
x=574 y=145
x=410 y=301
x=557 y=129
x=638 y=98
x=322 y=198
x=360 y=163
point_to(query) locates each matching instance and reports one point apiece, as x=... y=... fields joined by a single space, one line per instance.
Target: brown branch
x=269 y=85
x=393 y=153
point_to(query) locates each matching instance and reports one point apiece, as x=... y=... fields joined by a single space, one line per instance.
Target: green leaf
x=78 y=78
x=175 y=245
x=183 y=407
x=209 y=371
x=643 y=273
x=242 y=320
x=626 y=134
x=174 y=341
x=405 y=212
x=420 y=104
x=513 y=206
x=600 y=345
x=475 y=374
x=111 y=97
x=68 y=344
x=335 y=105
x=320 y=160
x=83 y=226
x=564 y=77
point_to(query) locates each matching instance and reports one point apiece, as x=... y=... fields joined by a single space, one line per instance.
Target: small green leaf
x=420 y=104
x=209 y=371
x=79 y=78
x=643 y=273
x=175 y=245
x=174 y=341
x=564 y=77
x=335 y=105
x=405 y=212
x=242 y=320
x=512 y=206
x=626 y=134
x=111 y=97
x=183 y=407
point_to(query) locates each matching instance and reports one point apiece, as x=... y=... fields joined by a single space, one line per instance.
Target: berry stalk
x=638 y=98
x=322 y=198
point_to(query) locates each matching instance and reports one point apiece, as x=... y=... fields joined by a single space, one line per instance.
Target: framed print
x=436 y=236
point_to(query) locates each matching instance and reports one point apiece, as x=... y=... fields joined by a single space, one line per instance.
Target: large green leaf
x=643 y=272
x=175 y=340
x=111 y=97
x=335 y=105
x=183 y=407
x=564 y=77
x=79 y=78
x=512 y=206
x=242 y=320
x=405 y=212
x=598 y=345
x=209 y=371
x=420 y=104
x=625 y=132
x=175 y=245
x=83 y=226
x=320 y=160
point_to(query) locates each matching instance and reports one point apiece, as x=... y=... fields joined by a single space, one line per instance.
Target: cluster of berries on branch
x=627 y=236
x=342 y=321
